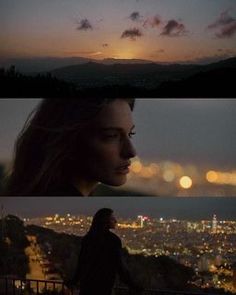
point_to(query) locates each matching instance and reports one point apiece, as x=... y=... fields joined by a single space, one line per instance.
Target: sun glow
x=124 y=55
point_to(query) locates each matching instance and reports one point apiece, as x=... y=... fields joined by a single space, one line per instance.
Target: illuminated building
x=218 y=260
x=142 y=218
x=214 y=224
x=203 y=263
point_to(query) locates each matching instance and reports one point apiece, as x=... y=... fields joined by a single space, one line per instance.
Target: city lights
x=224 y=178
x=136 y=166
x=211 y=176
x=170 y=178
x=185 y=182
x=168 y=175
x=207 y=246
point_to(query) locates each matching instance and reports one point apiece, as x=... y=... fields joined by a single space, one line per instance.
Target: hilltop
x=124 y=80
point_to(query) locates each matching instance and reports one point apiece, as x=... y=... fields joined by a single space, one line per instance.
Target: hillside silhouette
x=214 y=80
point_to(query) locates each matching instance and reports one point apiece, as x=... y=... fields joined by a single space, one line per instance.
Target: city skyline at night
x=183 y=208
x=204 y=246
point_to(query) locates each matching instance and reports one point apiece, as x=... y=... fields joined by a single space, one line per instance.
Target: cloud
x=224 y=19
x=154 y=21
x=135 y=16
x=105 y=45
x=84 y=53
x=227 y=31
x=173 y=29
x=132 y=34
x=225 y=25
x=95 y=53
x=84 y=25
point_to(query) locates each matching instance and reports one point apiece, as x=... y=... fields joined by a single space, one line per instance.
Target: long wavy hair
x=46 y=150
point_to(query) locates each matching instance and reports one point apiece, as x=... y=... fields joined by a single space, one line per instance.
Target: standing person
x=100 y=258
x=68 y=146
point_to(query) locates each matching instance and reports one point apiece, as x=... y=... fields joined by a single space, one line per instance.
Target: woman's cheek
x=106 y=149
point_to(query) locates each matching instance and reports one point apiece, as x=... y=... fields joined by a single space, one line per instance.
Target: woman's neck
x=85 y=187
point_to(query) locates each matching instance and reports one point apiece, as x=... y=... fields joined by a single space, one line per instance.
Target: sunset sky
x=158 y=30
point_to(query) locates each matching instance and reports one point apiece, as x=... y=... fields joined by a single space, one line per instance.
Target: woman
x=68 y=146
x=100 y=258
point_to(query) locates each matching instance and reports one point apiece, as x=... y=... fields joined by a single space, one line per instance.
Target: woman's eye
x=116 y=136
x=131 y=134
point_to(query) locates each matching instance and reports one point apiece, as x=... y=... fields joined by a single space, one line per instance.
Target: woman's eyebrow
x=115 y=128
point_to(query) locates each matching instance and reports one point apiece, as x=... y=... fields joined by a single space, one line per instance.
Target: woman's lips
x=124 y=169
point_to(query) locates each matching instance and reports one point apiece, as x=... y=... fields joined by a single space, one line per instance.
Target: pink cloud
x=132 y=34
x=225 y=25
x=174 y=29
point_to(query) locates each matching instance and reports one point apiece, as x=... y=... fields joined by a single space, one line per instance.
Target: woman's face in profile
x=112 y=222
x=107 y=146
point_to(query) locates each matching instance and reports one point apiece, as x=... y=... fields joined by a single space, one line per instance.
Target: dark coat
x=100 y=260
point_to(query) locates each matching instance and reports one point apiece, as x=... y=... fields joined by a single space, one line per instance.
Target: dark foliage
x=124 y=80
x=13 y=242
x=14 y=84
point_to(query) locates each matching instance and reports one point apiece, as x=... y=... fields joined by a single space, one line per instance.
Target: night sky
x=165 y=207
x=164 y=31
x=189 y=131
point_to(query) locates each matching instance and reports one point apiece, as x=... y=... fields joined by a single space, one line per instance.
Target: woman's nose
x=128 y=151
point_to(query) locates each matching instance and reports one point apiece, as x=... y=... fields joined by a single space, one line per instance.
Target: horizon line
x=195 y=61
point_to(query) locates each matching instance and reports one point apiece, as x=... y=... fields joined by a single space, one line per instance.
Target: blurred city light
x=185 y=182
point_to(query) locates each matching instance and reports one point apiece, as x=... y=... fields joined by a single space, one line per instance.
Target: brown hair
x=47 y=146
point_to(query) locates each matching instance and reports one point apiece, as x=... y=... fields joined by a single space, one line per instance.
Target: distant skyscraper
x=167 y=228
x=214 y=224
x=203 y=263
x=140 y=218
x=218 y=260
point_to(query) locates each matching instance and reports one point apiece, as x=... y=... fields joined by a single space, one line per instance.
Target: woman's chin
x=116 y=180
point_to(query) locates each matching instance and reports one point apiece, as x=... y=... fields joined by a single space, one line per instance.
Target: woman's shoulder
x=114 y=238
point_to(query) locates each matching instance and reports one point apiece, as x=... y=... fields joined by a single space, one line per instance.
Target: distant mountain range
x=111 y=77
x=43 y=64
x=36 y=65
x=148 y=75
